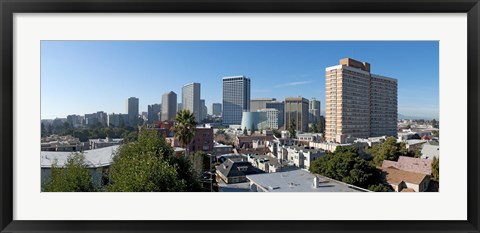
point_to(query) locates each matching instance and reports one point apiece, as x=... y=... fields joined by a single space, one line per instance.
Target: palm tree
x=184 y=128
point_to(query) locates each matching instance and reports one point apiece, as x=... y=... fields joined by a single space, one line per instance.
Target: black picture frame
x=9 y=7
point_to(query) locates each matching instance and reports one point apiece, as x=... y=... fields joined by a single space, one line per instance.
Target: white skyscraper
x=314 y=110
x=191 y=99
x=236 y=99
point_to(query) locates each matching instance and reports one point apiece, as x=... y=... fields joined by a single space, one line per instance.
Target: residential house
x=411 y=174
x=235 y=170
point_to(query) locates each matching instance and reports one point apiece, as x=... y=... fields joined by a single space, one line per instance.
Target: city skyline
x=103 y=75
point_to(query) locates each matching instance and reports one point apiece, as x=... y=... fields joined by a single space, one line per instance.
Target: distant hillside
x=403 y=117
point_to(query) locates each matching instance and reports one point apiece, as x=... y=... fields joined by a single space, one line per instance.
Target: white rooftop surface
x=299 y=181
x=430 y=151
x=415 y=141
x=93 y=158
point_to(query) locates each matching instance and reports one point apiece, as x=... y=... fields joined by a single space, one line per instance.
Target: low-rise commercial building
x=62 y=143
x=101 y=143
x=327 y=146
x=310 y=137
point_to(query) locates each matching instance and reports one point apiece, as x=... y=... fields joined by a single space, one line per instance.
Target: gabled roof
x=234 y=167
x=410 y=164
x=396 y=176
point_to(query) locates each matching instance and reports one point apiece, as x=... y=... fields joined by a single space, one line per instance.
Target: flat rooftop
x=305 y=148
x=299 y=181
x=93 y=158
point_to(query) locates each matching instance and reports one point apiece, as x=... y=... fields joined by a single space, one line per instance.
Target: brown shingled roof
x=396 y=176
x=410 y=164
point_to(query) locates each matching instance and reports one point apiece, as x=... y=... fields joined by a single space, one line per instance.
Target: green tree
x=418 y=153
x=435 y=169
x=245 y=131
x=252 y=129
x=313 y=128
x=292 y=129
x=200 y=162
x=389 y=150
x=347 y=166
x=149 y=165
x=378 y=188
x=130 y=136
x=49 y=129
x=43 y=130
x=435 y=133
x=73 y=177
x=185 y=128
x=276 y=133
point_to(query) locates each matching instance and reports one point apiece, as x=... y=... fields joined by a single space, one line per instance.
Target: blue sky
x=79 y=77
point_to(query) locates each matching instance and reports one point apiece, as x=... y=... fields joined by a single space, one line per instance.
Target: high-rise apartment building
x=236 y=99
x=383 y=106
x=191 y=99
x=132 y=111
x=169 y=106
x=152 y=113
x=217 y=109
x=117 y=120
x=313 y=110
x=358 y=104
x=296 y=112
x=74 y=120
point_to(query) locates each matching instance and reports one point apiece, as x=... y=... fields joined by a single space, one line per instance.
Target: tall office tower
x=358 y=103
x=191 y=99
x=169 y=106
x=132 y=111
x=236 y=99
x=203 y=109
x=217 y=109
x=313 y=110
x=280 y=106
x=179 y=107
x=152 y=113
x=272 y=118
x=260 y=103
x=296 y=111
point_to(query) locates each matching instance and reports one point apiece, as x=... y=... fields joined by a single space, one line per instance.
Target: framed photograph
x=259 y=116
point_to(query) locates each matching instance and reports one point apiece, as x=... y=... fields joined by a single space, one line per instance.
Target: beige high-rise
x=358 y=104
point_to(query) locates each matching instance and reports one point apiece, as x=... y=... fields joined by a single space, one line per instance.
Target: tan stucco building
x=358 y=104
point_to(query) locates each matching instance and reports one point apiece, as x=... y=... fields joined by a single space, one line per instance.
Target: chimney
x=315 y=182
